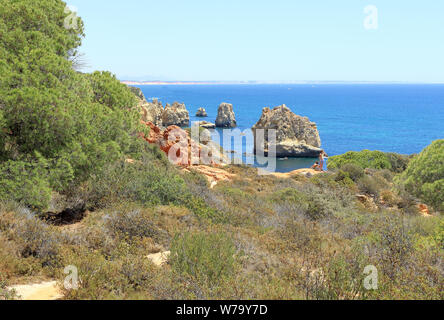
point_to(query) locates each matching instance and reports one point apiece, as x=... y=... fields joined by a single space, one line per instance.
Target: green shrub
x=394 y=244
x=5 y=293
x=205 y=257
x=33 y=237
x=25 y=183
x=385 y=174
x=344 y=178
x=398 y=162
x=132 y=223
x=344 y=278
x=123 y=277
x=288 y=194
x=364 y=159
x=439 y=235
x=314 y=202
x=354 y=171
x=148 y=181
x=388 y=197
x=318 y=207
x=424 y=176
x=368 y=185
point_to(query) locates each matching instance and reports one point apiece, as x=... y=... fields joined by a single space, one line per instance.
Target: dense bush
x=135 y=223
x=354 y=171
x=33 y=238
x=147 y=182
x=394 y=244
x=24 y=182
x=368 y=185
x=314 y=202
x=51 y=116
x=369 y=159
x=398 y=161
x=424 y=176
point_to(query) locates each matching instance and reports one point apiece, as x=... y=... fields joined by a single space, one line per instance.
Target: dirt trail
x=39 y=291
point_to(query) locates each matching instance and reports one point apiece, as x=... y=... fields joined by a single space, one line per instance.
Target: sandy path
x=38 y=291
x=304 y=172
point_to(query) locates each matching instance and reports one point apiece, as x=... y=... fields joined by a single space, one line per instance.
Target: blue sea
x=350 y=117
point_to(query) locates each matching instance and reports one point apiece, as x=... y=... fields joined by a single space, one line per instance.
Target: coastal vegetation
x=424 y=176
x=58 y=126
x=371 y=159
x=79 y=187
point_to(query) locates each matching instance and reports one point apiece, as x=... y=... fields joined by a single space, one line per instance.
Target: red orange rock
x=176 y=143
x=423 y=209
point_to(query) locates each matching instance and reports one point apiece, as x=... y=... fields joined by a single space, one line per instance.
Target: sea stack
x=202 y=113
x=205 y=124
x=175 y=114
x=225 y=116
x=296 y=136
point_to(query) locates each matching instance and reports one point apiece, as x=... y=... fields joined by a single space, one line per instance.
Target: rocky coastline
x=296 y=136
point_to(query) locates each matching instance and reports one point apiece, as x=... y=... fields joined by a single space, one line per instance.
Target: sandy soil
x=304 y=172
x=39 y=291
x=159 y=258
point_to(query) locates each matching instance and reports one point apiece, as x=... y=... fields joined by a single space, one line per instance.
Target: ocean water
x=350 y=117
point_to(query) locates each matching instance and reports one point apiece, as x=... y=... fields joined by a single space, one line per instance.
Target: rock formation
x=154 y=112
x=137 y=91
x=296 y=136
x=151 y=111
x=225 y=116
x=175 y=114
x=205 y=124
x=202 y=113
x=187 y=151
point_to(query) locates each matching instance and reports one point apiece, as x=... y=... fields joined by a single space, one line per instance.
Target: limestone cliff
x=175 y=114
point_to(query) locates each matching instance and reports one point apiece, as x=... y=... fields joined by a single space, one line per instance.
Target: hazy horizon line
x=189 y=82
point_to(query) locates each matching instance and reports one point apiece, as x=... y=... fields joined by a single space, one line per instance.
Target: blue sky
x=280 y=40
